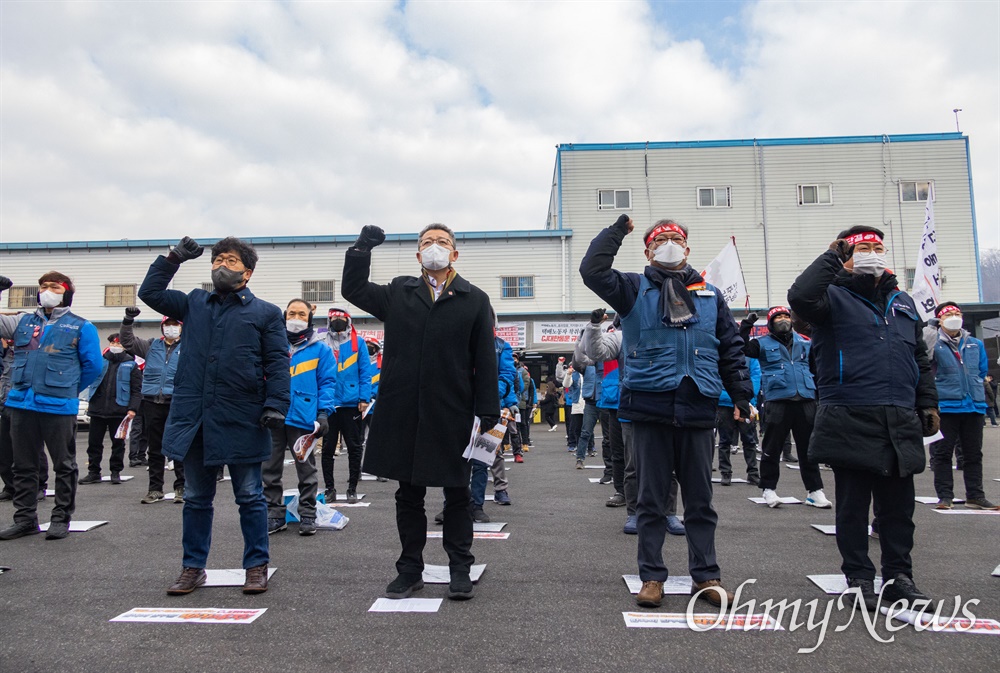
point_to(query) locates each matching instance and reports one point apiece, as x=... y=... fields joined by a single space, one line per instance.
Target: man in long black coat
x=439 y=371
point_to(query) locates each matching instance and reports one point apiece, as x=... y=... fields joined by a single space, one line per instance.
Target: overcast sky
x=163 y=119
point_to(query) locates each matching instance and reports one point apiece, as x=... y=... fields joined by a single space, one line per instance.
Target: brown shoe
x=190 y=579
x=650 y=595
x=943 y=503
x=713 y=596
x=256 y=580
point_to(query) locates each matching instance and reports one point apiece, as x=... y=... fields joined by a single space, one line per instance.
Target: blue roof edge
x=749 y=142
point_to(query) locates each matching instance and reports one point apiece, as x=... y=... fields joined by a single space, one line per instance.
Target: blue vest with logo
x=959 y=382
x=658 y=357
x=864 y=356
x=158 y=374
x=785 y=374
x=47 y=363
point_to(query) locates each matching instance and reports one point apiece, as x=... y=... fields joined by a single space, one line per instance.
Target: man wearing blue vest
x=876 y=403
x=162 y=356
x=681 y=348
x=354 y=392
x=57 y=355
x=960 y=366
x=790 y=392
x=115 y=396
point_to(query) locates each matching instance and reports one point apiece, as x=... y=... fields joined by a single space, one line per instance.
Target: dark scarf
x=300 y=338
x=875 y=290
x=676 y=305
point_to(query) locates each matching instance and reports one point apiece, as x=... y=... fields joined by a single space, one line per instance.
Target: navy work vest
x=956 y=379
x=47 y=363
x=158 y=374
x=785 y=375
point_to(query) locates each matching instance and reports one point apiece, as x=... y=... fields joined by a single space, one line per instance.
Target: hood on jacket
x=338 y=338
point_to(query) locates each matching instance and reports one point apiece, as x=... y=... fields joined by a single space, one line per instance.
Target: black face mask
x=782 y=327
x=226 y=280
x=338 y=325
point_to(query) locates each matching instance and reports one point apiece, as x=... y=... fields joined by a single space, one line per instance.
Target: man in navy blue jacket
x=681 y=348
x=231 y=386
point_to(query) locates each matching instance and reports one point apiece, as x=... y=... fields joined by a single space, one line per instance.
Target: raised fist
x=5 y=283
x=370 y=237
x=132 y=312
x=187 y=248
x=598 y=315
x=843 y=249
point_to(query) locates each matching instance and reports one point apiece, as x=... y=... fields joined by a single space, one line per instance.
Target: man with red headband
x=960 y=366
x=57 y=354
x=876 y=403
x=681 y=348
x=354 y=393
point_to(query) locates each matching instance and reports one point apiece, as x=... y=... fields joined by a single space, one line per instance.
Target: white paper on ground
x=718 y=480
x=125 y=477
x=996 y=571
x=787 y=500
x=406 y=605
x=488 y=497
x=933 y=438
x=368 y=477
x=343 y=498
x=49 y=492
x=169 y=496
x=987 y=512
x=345 y=504
x=437 y=535
x=676 y=585
x=594 y=467
x=933 y=500
x=229 y=577
x=442 y=575
x=289 y=461
x=946 y=625
x=792 y=467
x=77 y=526
x=492 y=527
x=190 y=615
x=508 y=460
x=594 y=480
x=837 y=584
x=707 y=621
x=831 y=529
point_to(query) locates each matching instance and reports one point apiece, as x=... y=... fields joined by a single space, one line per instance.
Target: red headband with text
x=776 y=310
x=334 y=313
x=864 y=237
x=664 y=228
x=948 y=309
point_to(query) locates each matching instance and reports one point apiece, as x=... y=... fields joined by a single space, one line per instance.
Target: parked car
x=82 y=418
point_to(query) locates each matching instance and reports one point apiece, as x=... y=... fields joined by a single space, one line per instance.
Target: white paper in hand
x=124 y=428
x=483 y=445
x=305 y=444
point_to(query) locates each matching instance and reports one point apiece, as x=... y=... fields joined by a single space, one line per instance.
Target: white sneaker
x=771 y=498
x=553 y=429
x=818 y=499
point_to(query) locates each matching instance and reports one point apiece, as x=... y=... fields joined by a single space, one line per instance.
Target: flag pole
x=743 y=275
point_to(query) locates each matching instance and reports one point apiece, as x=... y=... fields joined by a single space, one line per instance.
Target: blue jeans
x=480 y=473
x=199 y=493
x=586 y=440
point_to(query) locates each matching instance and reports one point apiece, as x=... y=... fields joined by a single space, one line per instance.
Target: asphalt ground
x=551 y=598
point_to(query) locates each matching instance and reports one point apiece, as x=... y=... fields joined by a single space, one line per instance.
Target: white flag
x=926 y=290
x=726 y=273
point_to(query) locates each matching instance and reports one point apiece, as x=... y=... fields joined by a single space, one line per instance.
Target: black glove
x=930 y=419
x=744 y=407
x=130 y=314
x=5 y=283
x=749 y=321
x=487 y=423
x=598 y=315
x=370 y=237
x=324 y=425
x=623 y=222
x=843 y=249
x=187 y=248
x=272 y=419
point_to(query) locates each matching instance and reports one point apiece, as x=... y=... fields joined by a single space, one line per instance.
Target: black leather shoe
x=460 y=587
x=91 y=479
x=902 y=588
x=6 y=495
x=404 y=585
x=116 y=477
x=57 y=530
x=19 y=530
x=868 y=599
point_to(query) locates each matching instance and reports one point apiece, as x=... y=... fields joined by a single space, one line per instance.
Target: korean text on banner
x=726 y=273
x=926 y=290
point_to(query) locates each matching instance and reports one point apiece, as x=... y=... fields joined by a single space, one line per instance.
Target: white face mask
x=670 y=254
x=296 y=326
x=49 y=299
x=172 y=331
x=953 y=323
x=116 y=349
x=435 y=257
x=871 y=263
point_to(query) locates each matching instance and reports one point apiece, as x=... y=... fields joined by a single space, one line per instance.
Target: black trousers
x=138 y=443
x=550 y=414
x=411 y=522
x=154 y=419
x=617 y=444
x=798 y=418
x=7 y=458
x=731 y=432
x=345 y=422
x=892 y=499
x=30 y=431
x=524 y=427
x=99 y=426
x=574 y=422
x=967 y=429
x=660 y=451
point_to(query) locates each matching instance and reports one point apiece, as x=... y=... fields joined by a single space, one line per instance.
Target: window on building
x=815 y=195
x=517 y=287
x=119 y=295
x=714 y=197
x=318 y=291
x=916 y=191
x=910 y=274
x=22 y=296
x=614 y=199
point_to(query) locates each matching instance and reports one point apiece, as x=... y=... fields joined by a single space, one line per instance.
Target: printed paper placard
x=787 y=500
x=190 y=615
x=438 y=535
x=491 y=527
x=229 y=577
x=442 y=574
x=837 y=584
x=124 y=477
x=933 y=500
x=933 y=438
x=676 y=585
x=944 y=624
x=986 y=512
x=702 y=622
x=718 y=480
x=77 y=526
x=406 y=605
x=830 y=529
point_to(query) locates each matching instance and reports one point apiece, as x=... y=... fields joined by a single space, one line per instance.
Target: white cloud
x=162 y=119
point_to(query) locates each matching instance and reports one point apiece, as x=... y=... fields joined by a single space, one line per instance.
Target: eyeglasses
x=668 y=238
x=229 y=261
x=443 y=242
